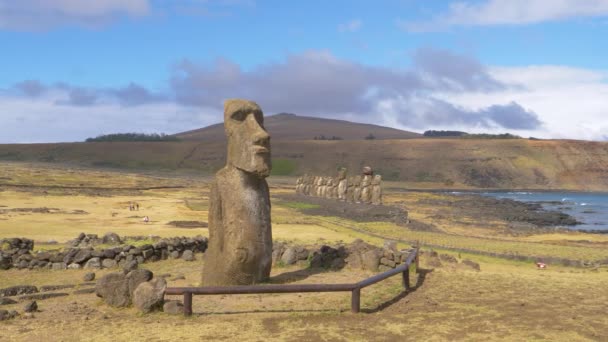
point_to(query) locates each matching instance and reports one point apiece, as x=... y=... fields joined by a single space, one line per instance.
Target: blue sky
x=74 y=69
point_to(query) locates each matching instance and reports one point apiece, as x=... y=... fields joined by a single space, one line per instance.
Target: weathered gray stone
x=240 y=243
x=188 y=255
x=173 y=307
x=74 y=266
x=114 y=289
x=94 y=263
x=5 y=262
x=370 y=260
x=174 y=254
x=376 y=190
x=149 y=296
x=136 y=277
x=290 y=256
x=6 y=315
x=83 y=255
x=111 y=239
x=31 y=307
x=89 y=276
x=18 y=290
x=108 y=263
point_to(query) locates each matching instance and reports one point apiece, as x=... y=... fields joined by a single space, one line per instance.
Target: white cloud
x=351 y=26
x=572 y=102
x=41 y=14
x=42 y=119
x=509 y=12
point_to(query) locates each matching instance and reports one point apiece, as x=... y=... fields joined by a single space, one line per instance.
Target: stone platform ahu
x=240 y=237
x=363 y=188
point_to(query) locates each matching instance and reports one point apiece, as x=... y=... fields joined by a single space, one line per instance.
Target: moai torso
x=240 y=236
x=329 y=188
x=377 y=190
x=342 y=184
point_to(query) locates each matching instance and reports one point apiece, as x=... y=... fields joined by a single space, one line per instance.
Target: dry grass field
x=506 y=300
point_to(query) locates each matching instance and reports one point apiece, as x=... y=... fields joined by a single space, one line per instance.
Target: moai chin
x=240 y=236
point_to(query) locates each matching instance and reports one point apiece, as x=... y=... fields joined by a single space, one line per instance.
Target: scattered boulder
x=149 y=296
x=370 y=260
x=31 y=307
x=83 y=255
x=89 y=276
x=18 y=290
x=173 y=307
x=188 y=255
x=114 y=289
x=136 y=277
x=290 y=256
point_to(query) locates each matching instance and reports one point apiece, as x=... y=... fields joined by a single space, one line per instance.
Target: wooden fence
x=355 y=288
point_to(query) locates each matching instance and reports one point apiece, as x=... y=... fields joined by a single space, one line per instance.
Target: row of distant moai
x=364 y=188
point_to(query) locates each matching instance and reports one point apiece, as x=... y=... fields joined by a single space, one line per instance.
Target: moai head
x=357 y=180
x=248 y=141
x=330 y=181
x=368 y=171
x=377 y=180
x=342 y=173
x=320 y=181
x=366 y=181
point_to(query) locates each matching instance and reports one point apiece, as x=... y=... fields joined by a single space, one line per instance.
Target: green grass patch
x=282 y=167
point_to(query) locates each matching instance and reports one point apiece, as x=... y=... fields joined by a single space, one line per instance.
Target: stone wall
x=358 y=255
x=17 y=252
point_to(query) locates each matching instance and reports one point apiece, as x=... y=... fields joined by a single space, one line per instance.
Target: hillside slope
x=441 y=163
x=295 y=127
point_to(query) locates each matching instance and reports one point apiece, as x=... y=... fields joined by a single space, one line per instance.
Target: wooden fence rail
x=355 y=288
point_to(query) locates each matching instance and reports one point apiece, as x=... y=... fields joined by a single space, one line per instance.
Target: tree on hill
x=133 y=137
x=370 y=137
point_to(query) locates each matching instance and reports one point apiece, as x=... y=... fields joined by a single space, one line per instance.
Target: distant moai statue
x=342 y=184
x=240 y=235
x=320 y=184
x=357 y=189
x=299 y=185
x=307 y=185
x=377 y=190
x=350 y=188
x=366 y=185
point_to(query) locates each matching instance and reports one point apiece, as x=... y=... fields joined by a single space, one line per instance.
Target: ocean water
x=589 y=208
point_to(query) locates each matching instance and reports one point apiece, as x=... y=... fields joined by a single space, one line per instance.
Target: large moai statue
x=377 y=190
x=320 y=182
x=366 y=182
x=342 y=184
x=240 y=236
x=357 y=189
x=299 y=185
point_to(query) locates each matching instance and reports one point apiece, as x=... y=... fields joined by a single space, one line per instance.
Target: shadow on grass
x=293 y=276
x=422 y=273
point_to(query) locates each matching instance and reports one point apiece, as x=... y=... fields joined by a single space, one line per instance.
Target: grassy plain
x=506 y=300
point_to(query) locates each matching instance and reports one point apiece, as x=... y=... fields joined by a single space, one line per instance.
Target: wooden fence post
x=355 y=302
x=187 y=303
x=406 y=279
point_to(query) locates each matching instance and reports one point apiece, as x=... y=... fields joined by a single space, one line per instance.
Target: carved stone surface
x=366 y=189
x=240 y=237
x=357 y=189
